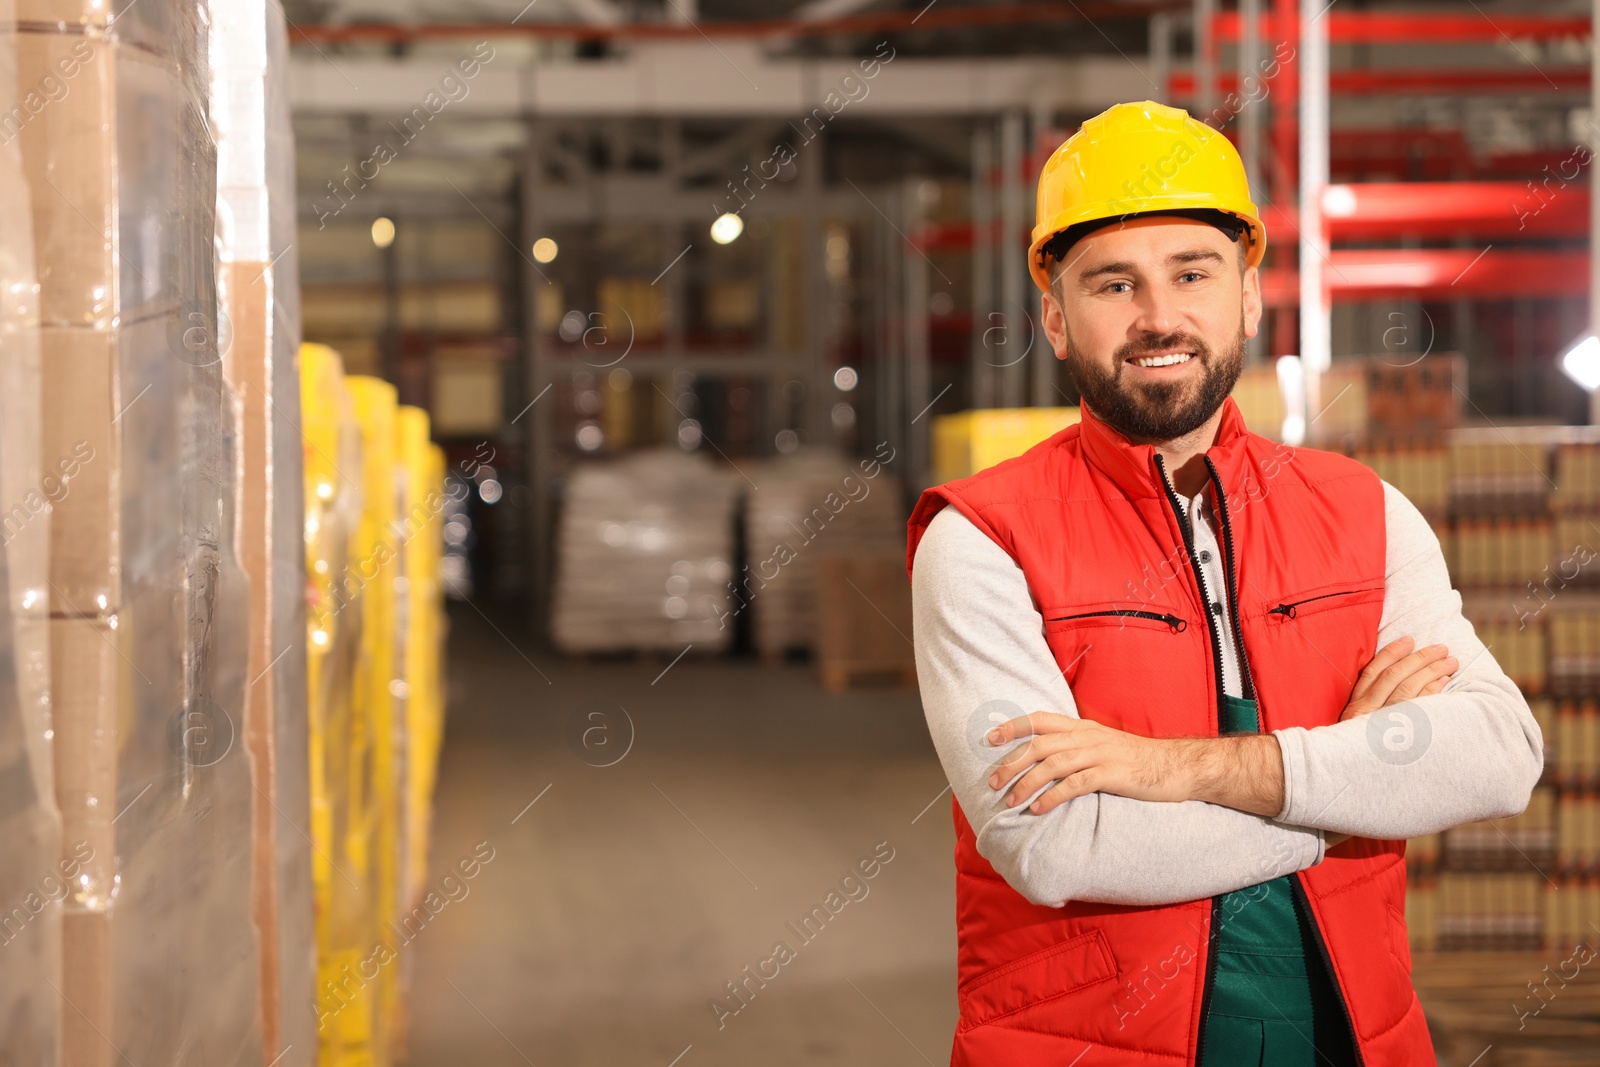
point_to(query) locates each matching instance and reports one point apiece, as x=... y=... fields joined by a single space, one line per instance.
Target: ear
x=1054 y=321
x=1252 y=301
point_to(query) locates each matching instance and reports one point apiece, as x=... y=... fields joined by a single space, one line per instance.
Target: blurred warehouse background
x=691 y=298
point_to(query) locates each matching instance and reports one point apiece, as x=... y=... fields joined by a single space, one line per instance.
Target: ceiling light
x=727 y=228
x=383 y=232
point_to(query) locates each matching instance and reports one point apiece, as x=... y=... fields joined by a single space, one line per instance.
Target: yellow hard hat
x=1134 y=159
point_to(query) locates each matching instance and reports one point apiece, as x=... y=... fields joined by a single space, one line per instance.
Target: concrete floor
x=616 y=908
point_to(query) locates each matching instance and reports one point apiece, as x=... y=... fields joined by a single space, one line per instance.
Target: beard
x=1158 y=411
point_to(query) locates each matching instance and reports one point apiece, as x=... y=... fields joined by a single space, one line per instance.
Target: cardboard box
x=65 y=14
x=79 y=438
x=83 y=659
x=84 y=667
x=86 y=981
x=66 y=89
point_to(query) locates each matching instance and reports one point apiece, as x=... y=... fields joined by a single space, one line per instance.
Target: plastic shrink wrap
x=374 y=505
x=36 y=871
x=644 y=559
x=148 y=608
x=812 y=503
x=258 y=293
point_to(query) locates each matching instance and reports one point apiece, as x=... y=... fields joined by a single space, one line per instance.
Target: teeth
x=1163 y=361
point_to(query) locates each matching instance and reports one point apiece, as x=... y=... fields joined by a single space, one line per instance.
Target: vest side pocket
x=1063 y=968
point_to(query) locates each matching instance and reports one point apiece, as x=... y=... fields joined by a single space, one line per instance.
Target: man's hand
x=1241 y=771
x=1082 y=756
x=1397 y=673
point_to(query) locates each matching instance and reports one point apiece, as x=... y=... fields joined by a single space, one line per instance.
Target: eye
x=1195 y=274
x=1108 y=287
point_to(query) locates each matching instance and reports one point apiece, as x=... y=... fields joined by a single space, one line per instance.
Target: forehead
x=1146 y=242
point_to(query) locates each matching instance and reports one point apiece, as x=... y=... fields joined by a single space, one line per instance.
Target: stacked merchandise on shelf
x=374 y=501
x=1517 y=510
x=812 y=504
x=258 y=339
x=645 y=555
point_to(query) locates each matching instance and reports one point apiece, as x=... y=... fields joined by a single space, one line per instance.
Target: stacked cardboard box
x=864 y=622
x=148 y=607
x=258 y=342
x=1519 y=528
x=1414 y=402
x=33 y=879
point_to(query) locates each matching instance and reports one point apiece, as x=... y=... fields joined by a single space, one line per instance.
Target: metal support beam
x=1316 y=340
x=1013 y=219
x=1205 y=57
x=983 y=215
x=1250 y=130
x=536 y=422
x=918 y=390
x=1594 y=200
x=598 y=12
x=818 y=10
x=1161 y=55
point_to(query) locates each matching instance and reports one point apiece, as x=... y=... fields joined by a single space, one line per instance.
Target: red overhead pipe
x=1416 y=81
x=1436 y=274
x=1396 y=27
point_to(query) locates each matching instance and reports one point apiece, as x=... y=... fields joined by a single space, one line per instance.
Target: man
x=1152 y=652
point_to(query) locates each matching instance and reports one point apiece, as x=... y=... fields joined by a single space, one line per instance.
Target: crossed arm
x=1198 y=816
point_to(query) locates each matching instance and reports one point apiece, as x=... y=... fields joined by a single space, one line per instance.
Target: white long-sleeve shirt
x=982 y=658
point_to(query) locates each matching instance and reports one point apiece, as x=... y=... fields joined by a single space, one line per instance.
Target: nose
x=1158 y=313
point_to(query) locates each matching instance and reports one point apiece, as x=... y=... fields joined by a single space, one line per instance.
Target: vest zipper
x=1216 y=661
x=1248 y=683
x=1249 y=688
x=1199 y=575
x=1327 y=962
x=1288 y=610
x=1178 y=625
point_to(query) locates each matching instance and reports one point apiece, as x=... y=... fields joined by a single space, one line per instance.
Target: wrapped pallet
x=811 y=503
x=338 y=567
x=148 y=605
x=35 y=874
x=419 y=604
x=645 y=555
x=257 y=286
x=374 y=503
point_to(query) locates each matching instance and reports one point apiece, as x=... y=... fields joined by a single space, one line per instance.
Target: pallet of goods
x=811 y=503
x=645 y=555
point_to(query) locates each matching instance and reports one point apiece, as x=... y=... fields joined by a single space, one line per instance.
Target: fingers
x=1038 y=722
x=1034 y=751
x=1058 y=767
x=1415 y=684
x=1067 y=789
x=1381 y=691
x=1386 y=657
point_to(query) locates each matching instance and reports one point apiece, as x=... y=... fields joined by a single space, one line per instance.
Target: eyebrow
x=1194 y=255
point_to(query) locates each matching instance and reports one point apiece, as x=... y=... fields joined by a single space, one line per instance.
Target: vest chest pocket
x=1118 y=617
x=1321 y=599
x=1308 y=646
x=1120 y=637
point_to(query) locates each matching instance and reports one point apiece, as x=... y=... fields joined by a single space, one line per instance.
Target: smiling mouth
x=1171 y=359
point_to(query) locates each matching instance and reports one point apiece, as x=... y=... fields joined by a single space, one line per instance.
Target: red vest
x=1088 y=518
